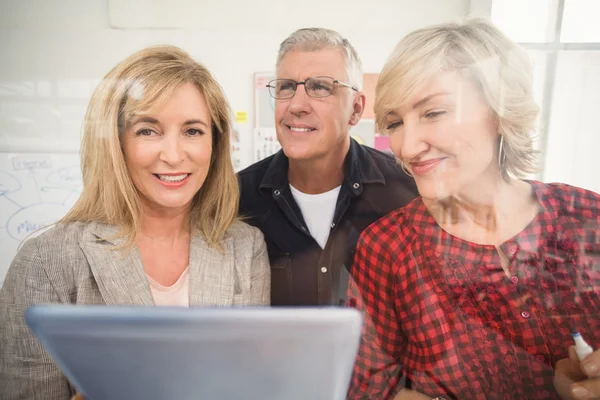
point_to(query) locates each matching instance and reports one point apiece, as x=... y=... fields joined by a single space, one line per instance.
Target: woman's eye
x=194 y=132
x=394 y=125
x=433 y=114
x=144 y=132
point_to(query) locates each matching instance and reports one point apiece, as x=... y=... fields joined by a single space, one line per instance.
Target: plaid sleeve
x=377 y=370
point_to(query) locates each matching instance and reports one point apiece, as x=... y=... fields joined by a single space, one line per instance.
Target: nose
x=172 y=151
x=300 y=103
x=408 y=142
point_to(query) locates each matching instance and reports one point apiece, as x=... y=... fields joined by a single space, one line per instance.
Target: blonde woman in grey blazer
x=156 y=222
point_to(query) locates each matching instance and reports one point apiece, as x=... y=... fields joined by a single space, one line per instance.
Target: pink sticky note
x=382 y=142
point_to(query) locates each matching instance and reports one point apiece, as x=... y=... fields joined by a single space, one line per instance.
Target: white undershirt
x=318 y=211
x=178 y=294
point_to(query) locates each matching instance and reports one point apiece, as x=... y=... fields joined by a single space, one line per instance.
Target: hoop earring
x=501 y=153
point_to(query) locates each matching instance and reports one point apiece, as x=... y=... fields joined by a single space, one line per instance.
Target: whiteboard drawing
x=36 y=190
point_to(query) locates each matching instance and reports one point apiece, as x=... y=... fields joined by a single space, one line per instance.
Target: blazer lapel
x=119 y=274
x=212 y=275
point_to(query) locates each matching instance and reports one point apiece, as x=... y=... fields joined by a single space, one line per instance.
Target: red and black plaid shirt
x=441 y=311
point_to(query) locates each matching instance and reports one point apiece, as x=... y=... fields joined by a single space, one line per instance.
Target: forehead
x=448 y=82
x=298 y=64
x=182 y=101
x=452 y=84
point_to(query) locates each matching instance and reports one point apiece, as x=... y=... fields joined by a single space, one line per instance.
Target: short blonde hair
x=315 y=39
x=499 y=67
x=141 y=82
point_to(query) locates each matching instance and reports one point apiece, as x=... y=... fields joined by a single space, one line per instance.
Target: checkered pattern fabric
x=441 y=312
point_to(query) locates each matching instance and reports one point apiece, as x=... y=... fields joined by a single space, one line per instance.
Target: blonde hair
x=141 y=82
x=314 y=39
x=499 y=67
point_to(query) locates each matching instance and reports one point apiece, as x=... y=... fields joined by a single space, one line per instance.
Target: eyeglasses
x=318 y=87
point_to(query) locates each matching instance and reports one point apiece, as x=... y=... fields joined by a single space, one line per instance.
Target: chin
x=169 y=204
x=299 y=152
x=433 y=190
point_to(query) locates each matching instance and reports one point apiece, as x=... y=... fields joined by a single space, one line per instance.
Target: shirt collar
x=359 y=168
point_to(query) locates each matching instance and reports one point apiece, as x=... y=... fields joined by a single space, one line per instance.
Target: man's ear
x=358 y=107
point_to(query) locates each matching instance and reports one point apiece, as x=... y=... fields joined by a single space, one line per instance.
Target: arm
x=26 y=370
x=377 y=370
x=260 y=272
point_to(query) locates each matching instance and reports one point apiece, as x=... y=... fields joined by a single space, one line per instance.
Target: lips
x=423 y=167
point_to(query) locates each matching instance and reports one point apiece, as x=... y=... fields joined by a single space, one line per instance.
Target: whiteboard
x=36 y=190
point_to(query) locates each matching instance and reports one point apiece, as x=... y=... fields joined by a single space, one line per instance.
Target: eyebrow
x=196 y=121
x=151 y=120
x=426 y=99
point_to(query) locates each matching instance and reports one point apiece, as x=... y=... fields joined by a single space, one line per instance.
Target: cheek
x=395 y=144
x=201 y=153
x=463 y=138
x=448 y=137
x=138 y=155
x=477 y=139
x=279 y=110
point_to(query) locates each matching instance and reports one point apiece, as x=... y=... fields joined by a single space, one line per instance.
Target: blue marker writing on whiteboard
x=581 y=347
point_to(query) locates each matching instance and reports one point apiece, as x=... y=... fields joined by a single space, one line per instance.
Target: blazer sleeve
x=260 y=273
x=26 y=370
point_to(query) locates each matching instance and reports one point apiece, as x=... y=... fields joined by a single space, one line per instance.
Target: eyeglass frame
x=297 y=83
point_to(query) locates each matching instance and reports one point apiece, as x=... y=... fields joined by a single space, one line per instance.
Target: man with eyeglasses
x=314 y=197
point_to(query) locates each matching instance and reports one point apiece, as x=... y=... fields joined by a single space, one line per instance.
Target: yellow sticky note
x=241 y=117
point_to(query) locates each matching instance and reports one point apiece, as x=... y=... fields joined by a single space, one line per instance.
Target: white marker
x=581 y=347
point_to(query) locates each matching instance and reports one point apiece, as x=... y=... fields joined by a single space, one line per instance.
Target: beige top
x=178 y=294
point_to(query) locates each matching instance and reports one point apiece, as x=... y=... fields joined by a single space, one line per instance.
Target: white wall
x=574 y=133
x=54 y=52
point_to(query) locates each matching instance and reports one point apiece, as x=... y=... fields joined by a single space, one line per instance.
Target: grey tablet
x=218 y=353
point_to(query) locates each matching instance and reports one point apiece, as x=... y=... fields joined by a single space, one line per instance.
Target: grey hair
x=314 y=39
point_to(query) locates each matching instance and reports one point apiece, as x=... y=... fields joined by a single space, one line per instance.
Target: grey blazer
x=75 y=264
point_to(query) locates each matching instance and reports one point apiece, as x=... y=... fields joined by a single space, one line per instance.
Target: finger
x=591 y=365
x=573 y=355
x=78 y=396
x=568 y=369
x=588 y=389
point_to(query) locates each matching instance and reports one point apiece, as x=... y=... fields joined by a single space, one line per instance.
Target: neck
x=319 y=175
x=489 y=205
x=171 y=225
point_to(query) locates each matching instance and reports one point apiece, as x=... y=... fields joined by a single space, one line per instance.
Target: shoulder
x=51 y=257
x=380 y=156
x=254 y=202
x=58 y=238
x=395 y=177
x=245 y=236
x=386 y=162
x=390 y=228
x=570 y=200
x=251 y=176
